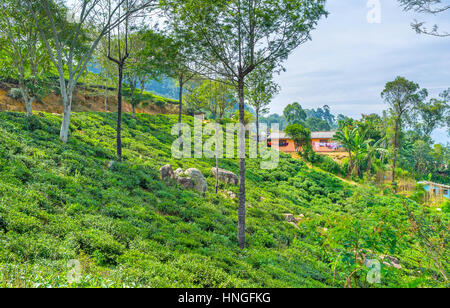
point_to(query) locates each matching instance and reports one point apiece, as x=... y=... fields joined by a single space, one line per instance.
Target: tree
x=328 y=116
x=274 y=118
x=138 y=69
x=234 y=37
x=215 y=97
x=317 y=125
x=432 y=7
x=62 y=43
x=432 y=114
x=402 y=96
x=345 y=136
x=372 y=148
x=261 y=89
x=25 y=49
x=294 y=113
x=300 y=135
x=248 y=117
x=119 y=55
x=170 y=55
x=107 y=69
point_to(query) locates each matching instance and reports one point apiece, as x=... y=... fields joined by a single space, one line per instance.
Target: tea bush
x=60 y=202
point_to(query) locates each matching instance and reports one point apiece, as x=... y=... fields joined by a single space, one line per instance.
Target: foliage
x=294 y=113
x=300 y=135
x=129 y=229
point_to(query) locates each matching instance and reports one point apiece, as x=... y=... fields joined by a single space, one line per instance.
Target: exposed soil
x=82 y=102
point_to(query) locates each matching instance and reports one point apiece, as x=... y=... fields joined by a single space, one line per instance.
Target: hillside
x=60 y=202
x=86 y=99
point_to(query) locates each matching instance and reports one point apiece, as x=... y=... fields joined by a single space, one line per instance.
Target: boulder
x=166 y=172
x=110 y=164
x=178 y=172
x=289 y=218
x=391 y=261
x=299 y=218
x=231 y=195
x=226 y=176
x=198 y=179
x=187 y=183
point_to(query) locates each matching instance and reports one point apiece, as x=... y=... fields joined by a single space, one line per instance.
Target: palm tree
x=345 y=136
x=374 y=147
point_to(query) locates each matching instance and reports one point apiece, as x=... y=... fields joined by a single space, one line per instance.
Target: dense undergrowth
x=128 y=229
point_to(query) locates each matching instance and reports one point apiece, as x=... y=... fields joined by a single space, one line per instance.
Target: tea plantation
x=128 y=229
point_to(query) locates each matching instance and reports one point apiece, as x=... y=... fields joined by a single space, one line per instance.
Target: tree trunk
x=350 y=163
x=394 y=158
x=133 y=111
x=241 y=210
x=119 y=114
x=180 y=107
x=369 y=165
x=180 y=112
x=67 y=103
x=257 y=132
x=29 y=105
x=106 y=98
x=217 y=157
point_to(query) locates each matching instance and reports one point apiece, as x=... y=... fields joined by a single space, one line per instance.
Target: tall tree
x=234 y=37
x=431 y=7
x=261 y=89
x=62 y=43
x=25 y=48
x=171 y=55
x=294 y=113
x=138 y=72
x=402 y=96
x=119 y=54
x=432 y=114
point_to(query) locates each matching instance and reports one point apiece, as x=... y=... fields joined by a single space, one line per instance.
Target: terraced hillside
x=127 y=228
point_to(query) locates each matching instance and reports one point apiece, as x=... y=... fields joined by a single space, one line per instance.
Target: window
x=283 y=143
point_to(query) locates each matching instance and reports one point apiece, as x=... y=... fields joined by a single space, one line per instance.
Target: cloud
x=348 y=61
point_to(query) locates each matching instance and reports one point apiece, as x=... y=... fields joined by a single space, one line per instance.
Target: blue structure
x=436 y=189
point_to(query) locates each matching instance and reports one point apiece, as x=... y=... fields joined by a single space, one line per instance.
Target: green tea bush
x=129 y=229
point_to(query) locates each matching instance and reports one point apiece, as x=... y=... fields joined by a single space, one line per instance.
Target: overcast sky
x=349 y=60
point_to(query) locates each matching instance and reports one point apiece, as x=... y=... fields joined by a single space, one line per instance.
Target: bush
x=328 y=164
x=160 y=102
x=15 y=93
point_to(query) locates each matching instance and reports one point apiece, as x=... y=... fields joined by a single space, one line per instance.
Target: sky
x=349 y=60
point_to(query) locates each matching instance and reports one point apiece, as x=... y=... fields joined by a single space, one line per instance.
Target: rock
x=198 y=179
x=289 y=217
x=391 y=261
x=178 y=172
x=187 y=183
x=299 y=218
x=110 y=164
x=230 y=195
x=166 y=172
x=226 y=176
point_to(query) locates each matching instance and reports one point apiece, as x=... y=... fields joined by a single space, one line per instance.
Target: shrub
x=328 y=164
x=15 y=93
